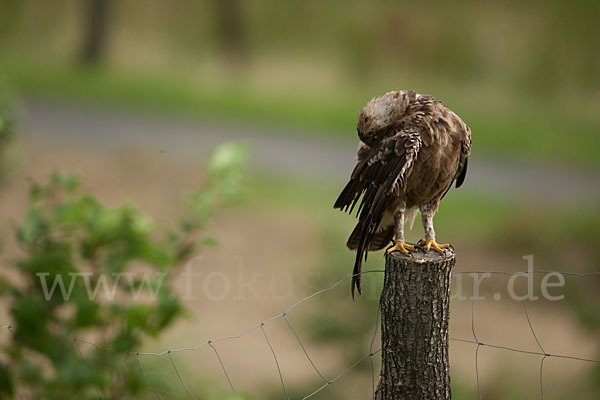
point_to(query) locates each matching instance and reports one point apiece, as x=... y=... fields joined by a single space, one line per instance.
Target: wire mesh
x=327 y=383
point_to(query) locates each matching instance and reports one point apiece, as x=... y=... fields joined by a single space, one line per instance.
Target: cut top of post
x=421 y=257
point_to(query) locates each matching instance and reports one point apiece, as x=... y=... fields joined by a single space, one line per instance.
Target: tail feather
x=374 y=179
x=380 y=241
x=376 y=198
x=411 y=215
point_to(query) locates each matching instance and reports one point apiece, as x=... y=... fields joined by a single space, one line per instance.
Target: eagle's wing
x=465 y=151
x=464 y=134
x=384 y=169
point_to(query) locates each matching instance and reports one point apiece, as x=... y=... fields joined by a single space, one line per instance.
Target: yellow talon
x=402 y=247
x=428 y=244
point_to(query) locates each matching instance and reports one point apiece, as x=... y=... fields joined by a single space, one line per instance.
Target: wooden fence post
x=415 y=309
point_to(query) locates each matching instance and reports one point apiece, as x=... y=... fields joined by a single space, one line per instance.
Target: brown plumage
x=412 y=149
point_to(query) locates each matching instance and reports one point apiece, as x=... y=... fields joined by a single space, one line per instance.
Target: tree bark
x=415 y=309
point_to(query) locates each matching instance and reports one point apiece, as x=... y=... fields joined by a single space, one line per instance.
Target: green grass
x=175 y=94
x=461 y=211
x=526 y=127
x=496 y=220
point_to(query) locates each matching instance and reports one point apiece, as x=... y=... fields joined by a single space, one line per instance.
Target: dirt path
x=102 y=129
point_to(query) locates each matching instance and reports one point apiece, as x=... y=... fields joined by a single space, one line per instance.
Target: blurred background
x=135 y=95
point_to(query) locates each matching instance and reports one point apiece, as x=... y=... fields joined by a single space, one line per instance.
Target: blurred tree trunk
x=230 y=29
x=415 y=309
x=95 y=30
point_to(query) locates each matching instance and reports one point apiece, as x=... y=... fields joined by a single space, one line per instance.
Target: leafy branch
x=82 y=274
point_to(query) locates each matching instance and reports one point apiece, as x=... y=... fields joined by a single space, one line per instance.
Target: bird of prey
x=412 y=149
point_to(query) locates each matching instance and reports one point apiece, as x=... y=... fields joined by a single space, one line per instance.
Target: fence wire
x=542 y=352
x=327 y=383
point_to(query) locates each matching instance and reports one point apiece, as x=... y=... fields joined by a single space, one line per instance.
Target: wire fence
x=327 y=383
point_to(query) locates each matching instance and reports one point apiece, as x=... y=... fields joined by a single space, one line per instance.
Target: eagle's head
x=379 y=115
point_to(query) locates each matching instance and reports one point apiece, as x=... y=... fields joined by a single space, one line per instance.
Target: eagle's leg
x=427 y=213
x=399 y=243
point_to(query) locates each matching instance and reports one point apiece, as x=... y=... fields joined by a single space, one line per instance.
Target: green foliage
x=518 y=127
x=6 y=125
x=98 y=273
x=6 y=117
x=5 y=128
x=521 y=74
x=224 y=171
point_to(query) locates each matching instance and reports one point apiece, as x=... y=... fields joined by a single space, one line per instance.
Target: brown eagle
x=412 y=148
